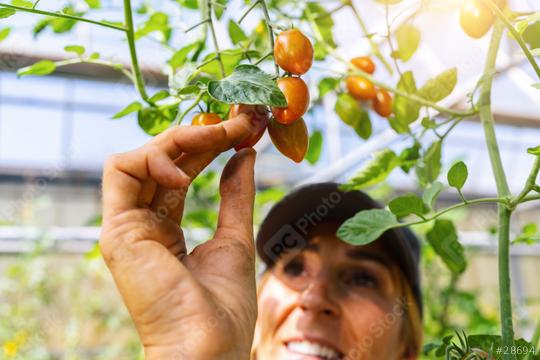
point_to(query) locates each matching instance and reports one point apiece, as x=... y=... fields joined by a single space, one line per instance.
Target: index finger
x=197 y=139
x=124 y=174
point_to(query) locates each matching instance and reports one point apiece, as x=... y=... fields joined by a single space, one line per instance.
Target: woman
x=319 y=298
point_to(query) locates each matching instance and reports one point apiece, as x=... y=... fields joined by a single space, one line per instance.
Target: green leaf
x=5 y=13
x=315 y=147
x=23 y=3
x=327 y=85
x=534 y=150
x=180 y=57
x=158 y=22
x=405 y=111
x=444 y=240
x=4 y=33
x=407 y=204
x=131 y=108
x=408 y=39
x=79 y=50
x=160 y=95
x=180 y=79
x=374 y=172
x=429 y=167
x=536 y=86
x=190 y=4
x=247 y=85
x=432 y=193
x=236 y=33
x=93 y=4
x=366 y=226
x=440 y=86
x=529 y=235
x=457 y=175
x=43 y=67
x=324 y=22
x=230 y=58
x=154 y=121
x=531 y=35
x=409 y=156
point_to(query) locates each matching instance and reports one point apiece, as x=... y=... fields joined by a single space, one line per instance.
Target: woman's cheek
x=372 y=331
x=275 y=303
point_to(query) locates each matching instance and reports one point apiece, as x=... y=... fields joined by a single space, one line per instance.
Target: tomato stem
x=130 y=34
x=517 y=36
x=530 y=183
x=486 y=118
x=214 y=37
x=373 y=44
x=64 y=16
x=270 y=30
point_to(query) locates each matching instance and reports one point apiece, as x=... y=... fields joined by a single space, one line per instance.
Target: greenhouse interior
x=58 y=299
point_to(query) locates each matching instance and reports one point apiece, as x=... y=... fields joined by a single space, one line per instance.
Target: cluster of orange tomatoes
x=364 y=90
x=293 y=52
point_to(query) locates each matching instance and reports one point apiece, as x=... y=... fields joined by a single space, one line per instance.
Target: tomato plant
x=232 y=78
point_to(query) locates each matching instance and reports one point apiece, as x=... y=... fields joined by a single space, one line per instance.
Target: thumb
x=237 y=189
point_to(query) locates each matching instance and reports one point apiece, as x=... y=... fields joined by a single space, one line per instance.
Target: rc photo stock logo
x=293 y=236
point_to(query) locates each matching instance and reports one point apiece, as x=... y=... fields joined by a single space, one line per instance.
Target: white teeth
x=313 y=349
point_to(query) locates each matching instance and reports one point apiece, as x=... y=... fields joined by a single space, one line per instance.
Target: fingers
x=170 y=202
x=124 y=176
x=125 y=173
x=198 y=139
x=237 y=190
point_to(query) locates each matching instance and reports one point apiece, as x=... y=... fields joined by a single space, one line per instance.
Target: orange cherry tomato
x=205 y=119
x=382 y=103
x=360 y=88
x=259 y=116
x=297 y=94
x=293 y=52
x=476 y=18
x=291 y=140
x=364 y=63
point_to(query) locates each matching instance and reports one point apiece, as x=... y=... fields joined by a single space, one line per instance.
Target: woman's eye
x=294 y=268
x=360 y=279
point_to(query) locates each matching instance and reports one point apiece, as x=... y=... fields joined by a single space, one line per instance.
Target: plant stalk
x=130 y=34
x=64 y=16
x=270 y=30
x=372 y=44
x=214 y=37
x=486 y=117
x=517 y=36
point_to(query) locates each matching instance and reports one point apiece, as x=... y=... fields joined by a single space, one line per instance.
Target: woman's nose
x=317 y=297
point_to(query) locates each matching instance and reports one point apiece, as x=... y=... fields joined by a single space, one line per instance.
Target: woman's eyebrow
x=360 y=254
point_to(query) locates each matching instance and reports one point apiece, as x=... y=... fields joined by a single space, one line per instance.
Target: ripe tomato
x=259 y=116
x=382 y=103
x=293 y=52
x=291 y=140
x=360 y=88
x=476 y=18
x=205 y=119
x=297 y=94
x=364 y=63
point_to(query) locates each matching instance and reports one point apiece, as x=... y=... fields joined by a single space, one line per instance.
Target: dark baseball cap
x=286 y=225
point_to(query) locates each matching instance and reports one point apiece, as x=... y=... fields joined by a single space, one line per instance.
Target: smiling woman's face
x=331 y=300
